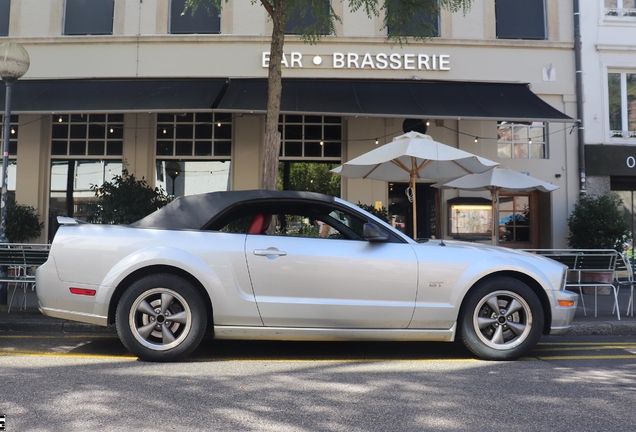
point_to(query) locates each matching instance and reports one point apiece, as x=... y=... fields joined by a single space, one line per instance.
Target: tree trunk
x=272 y=143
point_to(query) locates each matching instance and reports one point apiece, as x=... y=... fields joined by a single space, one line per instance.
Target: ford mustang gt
x=289 y=265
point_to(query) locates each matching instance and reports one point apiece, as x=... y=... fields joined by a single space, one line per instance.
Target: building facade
x=180 y=101
x=609 y=79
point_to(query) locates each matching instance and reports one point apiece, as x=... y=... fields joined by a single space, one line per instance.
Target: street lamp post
x=14 y=63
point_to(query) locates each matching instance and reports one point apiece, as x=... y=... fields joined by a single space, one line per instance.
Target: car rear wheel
x=161 y=318
x=501 y=319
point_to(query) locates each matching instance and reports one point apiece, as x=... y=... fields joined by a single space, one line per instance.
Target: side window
x=88 y=17
x=206 y=19
x=322 y=223
x=520 y=19
x=5 y=9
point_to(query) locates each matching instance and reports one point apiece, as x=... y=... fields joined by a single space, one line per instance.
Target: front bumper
x=562 y=316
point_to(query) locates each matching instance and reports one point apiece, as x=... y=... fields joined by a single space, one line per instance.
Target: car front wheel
x=502 y=319
x=161 y=318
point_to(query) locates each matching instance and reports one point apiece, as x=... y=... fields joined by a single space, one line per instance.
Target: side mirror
x=373 y=233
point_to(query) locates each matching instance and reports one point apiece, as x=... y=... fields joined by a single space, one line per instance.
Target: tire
x=501 y=319
x=155 y=299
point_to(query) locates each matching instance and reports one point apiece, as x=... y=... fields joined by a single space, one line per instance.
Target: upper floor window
x=5 y=9
x=621 y=88
x=87 y=135
x=206 y=19
x=423 y=23
x=89 y=17
x=520 y=19
x=196 y=135
x=522 y=140
x=620 y=8
x=301 y=19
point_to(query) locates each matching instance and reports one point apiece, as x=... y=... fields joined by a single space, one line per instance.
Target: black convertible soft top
x=196 y=211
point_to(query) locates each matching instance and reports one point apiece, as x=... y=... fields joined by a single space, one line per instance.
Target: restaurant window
x=620 y=8
x=514 y=219
x=72 y=182
x=87 y=135
x=307 y=18
x=205 y=20
x=5 y=10
x=12 y=168
x=622 y=104
x=194 y=152
x=310 y=136
x=88 y=17
x=520 y=19
x=424 y=23
x=522 y=140
x=311 y=148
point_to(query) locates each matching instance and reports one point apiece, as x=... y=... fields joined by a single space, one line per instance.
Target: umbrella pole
x=495 y=215
x=412 y=184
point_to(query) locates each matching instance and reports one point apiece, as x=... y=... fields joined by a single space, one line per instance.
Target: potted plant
x=599 y=222
x=23 y=223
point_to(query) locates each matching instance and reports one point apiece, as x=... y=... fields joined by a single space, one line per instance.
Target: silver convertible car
x=291 y=265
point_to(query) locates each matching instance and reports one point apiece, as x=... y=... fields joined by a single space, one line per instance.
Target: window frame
x=625 y=134
x=113 y=138
x=191 y=21
x=297 y=129
x=81 y=29
x=5 y=17
x=619 y=11
x=529 y=140
x=500 y=9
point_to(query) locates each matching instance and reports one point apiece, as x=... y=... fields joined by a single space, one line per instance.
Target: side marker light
x=83 y=291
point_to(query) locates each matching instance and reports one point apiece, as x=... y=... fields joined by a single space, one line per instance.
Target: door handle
x=269 y=252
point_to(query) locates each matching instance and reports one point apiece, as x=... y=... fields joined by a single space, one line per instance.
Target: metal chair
x=625 y=277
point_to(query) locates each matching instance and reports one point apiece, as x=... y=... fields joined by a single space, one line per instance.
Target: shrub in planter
x=23 y=223
x=125 y=200
x=599 y=222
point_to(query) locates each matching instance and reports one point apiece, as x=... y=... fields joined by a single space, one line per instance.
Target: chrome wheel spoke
x=498 y=338
x=513 y=307
x=493 y=303
x=166 y=300
x=145 y=308
x=146 y=330
x=517 y=328
x=485 y=322
x=167 y=335
x=180 y=317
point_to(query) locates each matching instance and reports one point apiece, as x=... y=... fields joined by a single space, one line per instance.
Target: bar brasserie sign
x=337 y=60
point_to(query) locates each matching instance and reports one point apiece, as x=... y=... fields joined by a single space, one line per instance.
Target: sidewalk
x=30 y=319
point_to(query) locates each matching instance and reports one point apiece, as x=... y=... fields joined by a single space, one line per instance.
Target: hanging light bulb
x=112 y=130
x=59 y=120
x=12 y=131
x=165 y=131
x=219 y=124
x=529 y=140
x=428 y=123
x=377 y=142
x=322 y=142
x=476 y=139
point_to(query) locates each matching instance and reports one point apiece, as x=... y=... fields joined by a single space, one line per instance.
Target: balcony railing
x=620 y=12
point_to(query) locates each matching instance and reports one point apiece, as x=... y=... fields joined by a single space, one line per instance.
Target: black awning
x=35 y=96
x=420 y=99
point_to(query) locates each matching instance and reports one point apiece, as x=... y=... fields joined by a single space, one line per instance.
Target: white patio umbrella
x=411 y=157
x=495 y=180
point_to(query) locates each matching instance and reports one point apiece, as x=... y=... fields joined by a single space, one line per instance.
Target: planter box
x=601 y=276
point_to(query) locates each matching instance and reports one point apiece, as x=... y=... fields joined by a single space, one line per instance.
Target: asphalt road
x=52 y=382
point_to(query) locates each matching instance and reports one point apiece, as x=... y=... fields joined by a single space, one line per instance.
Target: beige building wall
x=141 y=46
